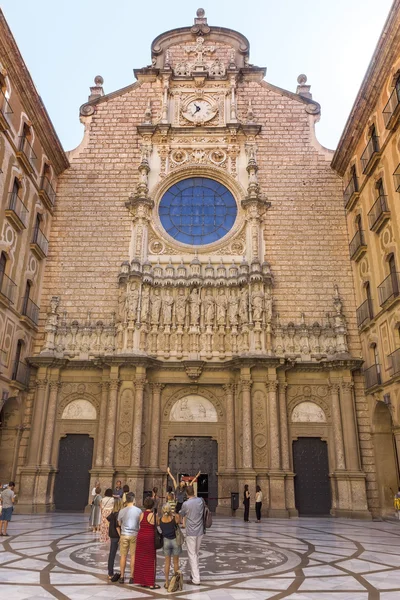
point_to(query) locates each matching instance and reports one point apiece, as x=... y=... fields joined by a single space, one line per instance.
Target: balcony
x=379 y=214
x=364 y=313
x=25 y=154
x=351 y=193
x=20 y=374
x=396 y=177
x=372 y=376
x=389 y=288
x=39 y=244
x=16 y=213
x=7 y=290
x=371 y=155
x=30 y=310
x=357 y=246
x=395 y=362
x=47 y=193
x=391 y=111
x=5 y=109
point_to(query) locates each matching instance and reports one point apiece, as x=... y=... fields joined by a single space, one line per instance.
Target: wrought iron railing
x=364 y=313
x=40 y=240
x=26 y=148
x=389 y=288
x=18 y=207
x=5 y=106
x=395 y=362
x=7 y=287
x=30 y=310
x=379 y=207
x=48 y=188
x=396 y=177
x=356 y=243
x=371 y=149
x=372 y=376
x=351 y=188
x=391 y=107
x=20 y=373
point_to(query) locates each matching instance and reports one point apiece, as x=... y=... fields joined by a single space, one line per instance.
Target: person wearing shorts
x=167 y=525
x=128 y=520
x=7 y=500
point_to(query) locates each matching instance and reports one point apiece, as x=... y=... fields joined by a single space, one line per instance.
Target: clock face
x=199 y=111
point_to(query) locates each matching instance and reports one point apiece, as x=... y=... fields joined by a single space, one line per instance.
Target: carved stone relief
x=79 y=409
x=193 y=408
x=259 y=429
x=125 y=423
x=308 y=412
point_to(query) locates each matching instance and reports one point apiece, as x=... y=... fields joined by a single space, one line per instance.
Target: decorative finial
x=97 y=89
x=302 y=88
x=302 y=79
x=200 y=22
x=201 y=13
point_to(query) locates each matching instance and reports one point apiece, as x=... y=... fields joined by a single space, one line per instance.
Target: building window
x=197 y=211
x=393 y=275
x=3 y=264
x=17 y=361
x=25 y=300
x=370 y=305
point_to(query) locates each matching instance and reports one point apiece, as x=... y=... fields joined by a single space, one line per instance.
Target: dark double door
x=311 y=485
x=188 y=456
x=71 y=489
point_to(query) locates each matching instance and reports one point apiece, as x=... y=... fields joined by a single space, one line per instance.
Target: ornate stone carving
x=79 y=409
x=194 y=408
x=308 y=412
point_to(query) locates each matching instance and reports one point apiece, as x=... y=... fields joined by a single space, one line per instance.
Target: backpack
x=207 y=517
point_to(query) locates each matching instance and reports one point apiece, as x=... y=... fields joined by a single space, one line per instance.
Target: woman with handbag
x=145 y=557
x=173 y=540
x=106 y=507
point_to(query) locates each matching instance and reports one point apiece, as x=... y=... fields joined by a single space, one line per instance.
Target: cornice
x=30 y=99
x=386 y=52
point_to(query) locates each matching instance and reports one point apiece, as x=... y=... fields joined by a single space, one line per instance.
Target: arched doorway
x=387 y=470
x=73 y=477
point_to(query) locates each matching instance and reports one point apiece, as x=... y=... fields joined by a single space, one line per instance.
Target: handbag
x=176 y=583
x=180 y=538
x=158 y=537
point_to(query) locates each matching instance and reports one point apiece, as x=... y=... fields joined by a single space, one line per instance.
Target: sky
x=66 y=43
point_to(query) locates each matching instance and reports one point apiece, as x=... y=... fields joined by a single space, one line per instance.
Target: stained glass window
x=197 y=211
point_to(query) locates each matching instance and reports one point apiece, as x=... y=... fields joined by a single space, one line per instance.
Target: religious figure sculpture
x=180 y=307
x=131 y=302
x=257 y=303
x=209 y=308
x=167 y=306
x=194 y=301
x=233 y=308
x=155 y=307
x=222 y=305
x=244 y=306
x=144 y=313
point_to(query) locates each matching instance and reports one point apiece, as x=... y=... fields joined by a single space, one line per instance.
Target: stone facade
x=250 y=340
x=368 y=157
x=31 y=158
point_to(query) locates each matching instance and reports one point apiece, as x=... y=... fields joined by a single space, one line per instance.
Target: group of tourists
x=139 y=533
x=246 y=503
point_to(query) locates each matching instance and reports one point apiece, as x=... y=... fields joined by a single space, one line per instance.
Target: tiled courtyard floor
x=55 y=556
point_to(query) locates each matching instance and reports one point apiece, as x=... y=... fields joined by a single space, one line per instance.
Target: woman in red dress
x=145 y=557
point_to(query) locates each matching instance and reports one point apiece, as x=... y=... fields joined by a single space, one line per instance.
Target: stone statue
x=194 y=301
x=222 y=305
x=131 y=302
x=209 y=308
x=268 y=305
x=144 y=313
x=244 y=306
x=233 y=308
x=257 y=303
x=155 y=307
x=180 y=307
x=167 y=306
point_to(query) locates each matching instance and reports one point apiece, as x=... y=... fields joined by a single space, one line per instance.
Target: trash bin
x=234 y=500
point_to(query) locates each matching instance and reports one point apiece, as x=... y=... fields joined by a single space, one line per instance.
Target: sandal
x=154 y=587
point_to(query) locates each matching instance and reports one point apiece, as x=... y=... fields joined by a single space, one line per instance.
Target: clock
x=199 y=110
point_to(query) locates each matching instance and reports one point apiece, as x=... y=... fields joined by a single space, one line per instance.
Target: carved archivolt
x=193 y=390
x=64 y=402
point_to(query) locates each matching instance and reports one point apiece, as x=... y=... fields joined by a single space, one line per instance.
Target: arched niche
x=308 y=412
x=81 y=410
x=193 y=408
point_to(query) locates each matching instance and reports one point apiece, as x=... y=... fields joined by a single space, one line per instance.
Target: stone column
x=247 y=433
x=39 y=409
x=50 y=423
x=284 y=426
x=155 y=425
x=102 y=424
x=109 y=438
x=230 y=427
x=273 y=425
x=140 y=382
x=349 y=426
x=337 y=427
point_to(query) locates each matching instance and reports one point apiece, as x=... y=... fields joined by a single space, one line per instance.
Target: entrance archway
x=73 y=477
x=385 y=457
x=188 y=455
x=311 y=484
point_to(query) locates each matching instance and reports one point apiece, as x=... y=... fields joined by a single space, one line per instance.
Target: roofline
x=155 y=49
x=30 y=99
x=387 y=48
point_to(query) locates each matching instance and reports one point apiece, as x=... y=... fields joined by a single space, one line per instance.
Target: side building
x=368 y=157
x=31 y=159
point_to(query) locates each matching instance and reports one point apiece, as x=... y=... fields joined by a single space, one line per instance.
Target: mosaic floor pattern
x=55 y=556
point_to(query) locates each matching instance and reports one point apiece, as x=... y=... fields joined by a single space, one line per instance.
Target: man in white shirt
x=193 y=510
x=128 y=521
x=7 y=500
